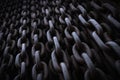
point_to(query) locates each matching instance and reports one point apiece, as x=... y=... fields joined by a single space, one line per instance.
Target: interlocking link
x=59 y=40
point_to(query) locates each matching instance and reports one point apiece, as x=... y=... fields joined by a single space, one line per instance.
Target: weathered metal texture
x=59 y=40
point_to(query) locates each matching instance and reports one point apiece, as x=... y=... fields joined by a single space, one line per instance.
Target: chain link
x=59 y=40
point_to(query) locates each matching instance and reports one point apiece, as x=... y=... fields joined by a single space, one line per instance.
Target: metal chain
x=59 y=40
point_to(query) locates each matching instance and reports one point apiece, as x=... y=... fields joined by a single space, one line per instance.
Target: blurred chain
x=59 y=39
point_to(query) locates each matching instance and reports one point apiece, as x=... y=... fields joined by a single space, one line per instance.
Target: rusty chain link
x=59 y=40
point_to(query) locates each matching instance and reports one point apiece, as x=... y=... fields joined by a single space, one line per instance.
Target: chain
x=59 y=39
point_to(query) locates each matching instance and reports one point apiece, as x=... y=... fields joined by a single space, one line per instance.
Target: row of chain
x=61 y=40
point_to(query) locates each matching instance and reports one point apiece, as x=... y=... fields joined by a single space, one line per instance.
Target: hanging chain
x=59 y=40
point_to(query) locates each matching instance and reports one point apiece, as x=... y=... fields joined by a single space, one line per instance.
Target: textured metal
x=59 y=40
